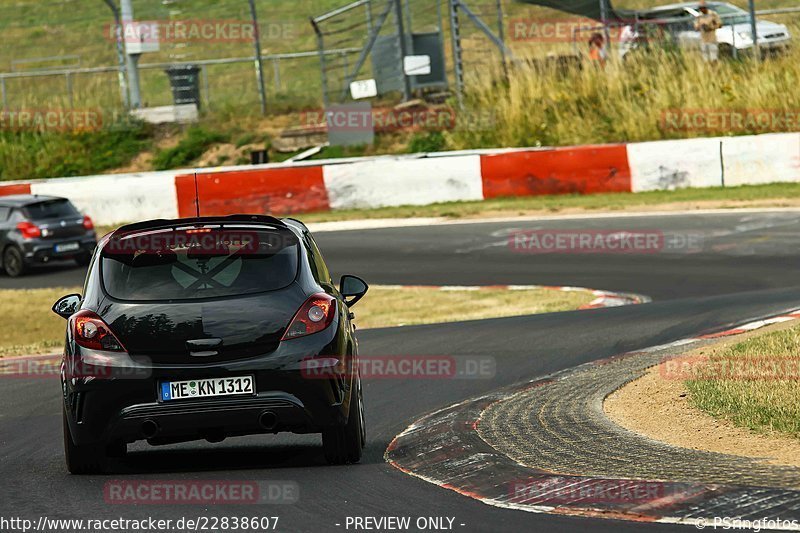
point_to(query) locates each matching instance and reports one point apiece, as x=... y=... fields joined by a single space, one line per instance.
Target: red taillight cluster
x=91 y=332
x=314 y=315
x=29 y=230
x=87 y=222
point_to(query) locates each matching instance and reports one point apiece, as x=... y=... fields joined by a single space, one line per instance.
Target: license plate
x=207 y=388
x=67 y=247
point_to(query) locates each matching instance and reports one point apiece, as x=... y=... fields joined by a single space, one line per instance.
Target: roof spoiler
x=200 y=221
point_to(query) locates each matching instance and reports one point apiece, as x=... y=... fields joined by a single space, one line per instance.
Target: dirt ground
x=658 y=407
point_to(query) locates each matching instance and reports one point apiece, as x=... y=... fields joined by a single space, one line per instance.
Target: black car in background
x=35 y=229
x=209 y=328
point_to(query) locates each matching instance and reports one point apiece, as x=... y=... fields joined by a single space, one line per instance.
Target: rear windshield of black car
x=50 y=209
x=194 y=264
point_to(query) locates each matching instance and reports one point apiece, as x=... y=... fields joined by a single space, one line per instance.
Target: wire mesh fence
x=63 y=52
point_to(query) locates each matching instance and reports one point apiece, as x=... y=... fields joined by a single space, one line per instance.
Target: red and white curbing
x=758 y=324
x=602 y=298
x=456 y=432
x=422 y=179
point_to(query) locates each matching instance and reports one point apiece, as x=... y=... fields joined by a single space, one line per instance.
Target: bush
x=192 y=146
x=34 y=154
x=430 y=142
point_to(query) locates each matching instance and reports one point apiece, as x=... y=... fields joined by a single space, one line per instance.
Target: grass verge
x=40 y=154
x=386 y=306
x=754 y=383
x=687 y=402
x=38 y=330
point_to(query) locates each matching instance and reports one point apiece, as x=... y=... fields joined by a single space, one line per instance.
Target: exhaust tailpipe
x=268 y=420
x=150 y=429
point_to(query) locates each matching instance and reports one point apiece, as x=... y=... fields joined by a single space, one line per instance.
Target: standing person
x=628 y=40
x=597 y=49
x=707 y=23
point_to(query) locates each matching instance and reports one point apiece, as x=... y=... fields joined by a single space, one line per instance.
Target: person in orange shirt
x=597 y=49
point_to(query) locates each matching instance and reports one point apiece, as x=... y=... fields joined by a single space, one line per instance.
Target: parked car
x=735 y=35
x=35 y=229
x=209 y=328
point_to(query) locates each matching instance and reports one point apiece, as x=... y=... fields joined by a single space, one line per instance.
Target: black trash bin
x=185 y=83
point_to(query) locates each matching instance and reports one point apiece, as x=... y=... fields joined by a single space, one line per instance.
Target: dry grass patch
x=386 y=306
x=32 y=328
x=38 y=330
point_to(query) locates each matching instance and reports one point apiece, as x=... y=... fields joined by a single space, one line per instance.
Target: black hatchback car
x=35 y=229
x=209 y=328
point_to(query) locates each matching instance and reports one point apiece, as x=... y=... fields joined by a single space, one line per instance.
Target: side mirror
x=66 y=306
x=352 y=286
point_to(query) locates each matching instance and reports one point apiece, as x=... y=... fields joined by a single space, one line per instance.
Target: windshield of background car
x=50 y=209
x=189 y=264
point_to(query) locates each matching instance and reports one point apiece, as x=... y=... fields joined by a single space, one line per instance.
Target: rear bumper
x=41 y=251
x=116 y=410
x=116 y=406
x=182 y=421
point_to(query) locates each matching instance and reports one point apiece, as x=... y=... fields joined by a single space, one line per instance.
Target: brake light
x=87 y=222
x=29 y=230
x=314 y=315
x=91 y=332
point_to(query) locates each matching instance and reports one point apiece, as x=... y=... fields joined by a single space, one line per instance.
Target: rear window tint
x=181 y=265
x=50 y=209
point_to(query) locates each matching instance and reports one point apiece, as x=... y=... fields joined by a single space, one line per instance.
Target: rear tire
x=83 y=460
x=14 y=262
x=344 y=444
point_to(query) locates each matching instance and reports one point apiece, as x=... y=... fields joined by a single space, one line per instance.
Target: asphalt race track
x=742 y=265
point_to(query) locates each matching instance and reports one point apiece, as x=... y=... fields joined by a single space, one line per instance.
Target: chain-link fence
x=64 y=52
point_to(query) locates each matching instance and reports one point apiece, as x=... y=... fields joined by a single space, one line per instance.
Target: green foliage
x=38 y=154
x=433 y=141
x=192 y=146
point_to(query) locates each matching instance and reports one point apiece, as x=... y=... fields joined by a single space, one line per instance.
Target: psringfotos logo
x=51 y=119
